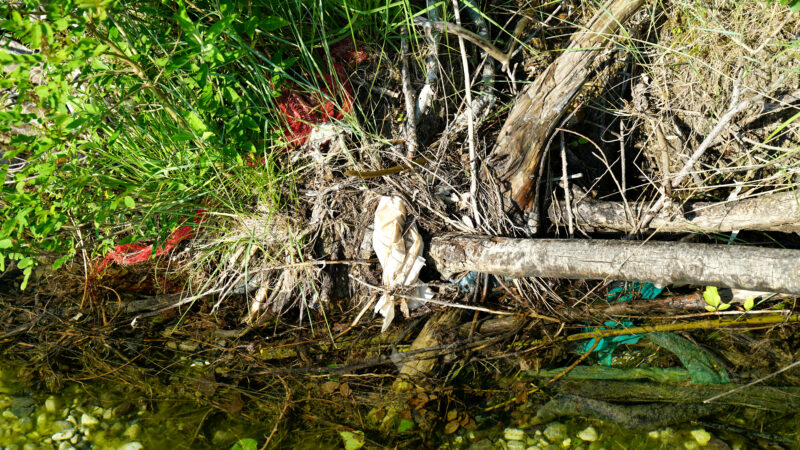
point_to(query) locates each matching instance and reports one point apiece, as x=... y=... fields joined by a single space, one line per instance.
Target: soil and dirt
x=280 y=330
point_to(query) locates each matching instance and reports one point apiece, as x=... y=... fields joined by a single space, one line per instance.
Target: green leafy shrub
x=141 y=112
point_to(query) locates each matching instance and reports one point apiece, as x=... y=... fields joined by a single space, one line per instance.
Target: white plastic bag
x=399 y=251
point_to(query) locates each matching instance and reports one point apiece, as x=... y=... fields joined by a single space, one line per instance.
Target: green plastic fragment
x=605 y=348
x=702 y=367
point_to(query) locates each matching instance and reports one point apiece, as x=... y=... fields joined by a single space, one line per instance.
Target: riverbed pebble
x=513 y=434
x=515 y=445
x=555 y=432
x=701 y=436
x=132 y=431
x=132 y=446
x=63 y=435
x=589 y=434
x=89 y=420
x=51 y=405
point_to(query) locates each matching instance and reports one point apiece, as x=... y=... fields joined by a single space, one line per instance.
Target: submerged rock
x=556 y=432
x=131 y=446
x=513 y=434
x=588 y=435
x=132 y=431
x=51 y=405
x=89 y=420
x=63 y=435
x=701 y=436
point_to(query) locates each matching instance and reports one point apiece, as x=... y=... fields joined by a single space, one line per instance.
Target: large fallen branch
x=774 y=212
x=738 y=267
x=542 y=104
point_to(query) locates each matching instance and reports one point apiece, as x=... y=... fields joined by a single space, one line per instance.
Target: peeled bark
x=737 y=267
x=772 y=212
x=542 y=104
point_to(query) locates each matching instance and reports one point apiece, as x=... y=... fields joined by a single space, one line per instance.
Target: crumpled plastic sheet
x=127 y=254
x=399 y=250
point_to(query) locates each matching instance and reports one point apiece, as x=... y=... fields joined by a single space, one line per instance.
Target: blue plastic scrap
x=621 y=292
x=605 y=348
x=633 y=290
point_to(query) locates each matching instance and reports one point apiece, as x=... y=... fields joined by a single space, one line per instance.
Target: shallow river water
x=90 y=414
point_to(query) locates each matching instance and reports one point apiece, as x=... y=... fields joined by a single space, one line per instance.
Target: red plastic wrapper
x=127 y=254
x=303 y=111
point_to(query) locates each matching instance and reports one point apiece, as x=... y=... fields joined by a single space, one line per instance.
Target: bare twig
x=411 y=120
x=565 y=185
x=282 y=414
x=426 y=94
x=577 y=361
x=473 y=161
x=463 y=33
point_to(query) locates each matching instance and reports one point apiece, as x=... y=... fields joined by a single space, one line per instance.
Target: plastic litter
x=399 y=250
x=620 y=292
x=304 y=111
x=127 y=254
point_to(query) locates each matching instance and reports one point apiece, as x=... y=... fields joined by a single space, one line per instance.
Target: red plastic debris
x=346 y=51
x=304 y=111
x=127 y=254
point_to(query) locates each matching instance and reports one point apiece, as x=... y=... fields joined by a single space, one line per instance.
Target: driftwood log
x=542 y=104
x=736 y=267
x=773 y=212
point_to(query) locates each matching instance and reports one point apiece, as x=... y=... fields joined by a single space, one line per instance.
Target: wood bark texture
x=541 y=105
x=738 y=267
x=773 y=212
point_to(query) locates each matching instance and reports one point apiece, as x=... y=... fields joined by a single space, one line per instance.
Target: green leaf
x=245 y=444
x=405 y=425
x=723 y=306
x=794 y=5
x=36 y=36
x=352 y=440
x=749 y=303
x=218 y=27
x=24 y=263
x=128 y=200
x=272 y=23
x=27 y=275
x=710 y=308
x=60 y=261
x=195 y=122
x=5 y=243
x=711 y=296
